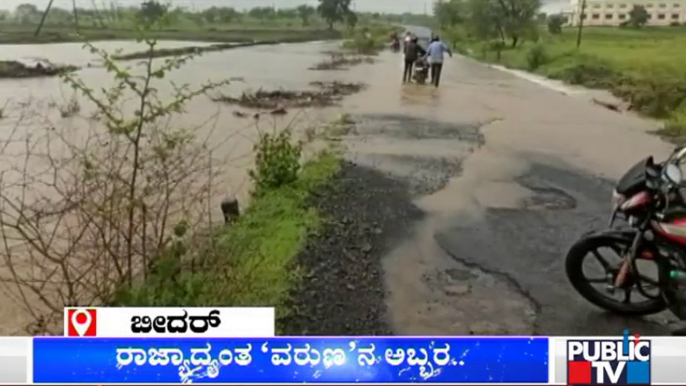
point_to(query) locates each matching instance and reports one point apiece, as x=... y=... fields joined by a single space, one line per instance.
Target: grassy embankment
x=250 y=262
x=644 y=67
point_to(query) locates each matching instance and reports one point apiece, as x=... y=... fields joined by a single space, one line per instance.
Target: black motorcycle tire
x=573 y=267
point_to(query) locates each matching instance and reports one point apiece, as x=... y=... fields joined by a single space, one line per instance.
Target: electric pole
x=582 y=16
x=76 y=15
x=42 y=19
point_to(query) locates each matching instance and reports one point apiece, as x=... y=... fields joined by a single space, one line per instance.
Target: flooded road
x=509 y=173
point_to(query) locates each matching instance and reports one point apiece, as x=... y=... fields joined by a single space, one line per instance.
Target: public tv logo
x=82 y=322
x=623 y=361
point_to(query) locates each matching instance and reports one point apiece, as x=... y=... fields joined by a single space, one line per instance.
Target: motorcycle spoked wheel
x=574 y=268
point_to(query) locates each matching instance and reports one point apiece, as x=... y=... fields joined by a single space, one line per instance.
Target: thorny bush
x=87 y=215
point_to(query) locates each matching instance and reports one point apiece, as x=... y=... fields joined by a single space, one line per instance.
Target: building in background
x=615 y=12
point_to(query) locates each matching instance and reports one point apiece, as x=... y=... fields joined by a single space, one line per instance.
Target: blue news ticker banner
x=291 y=360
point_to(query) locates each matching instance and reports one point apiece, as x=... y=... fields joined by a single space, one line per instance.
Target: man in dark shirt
x=412 y=51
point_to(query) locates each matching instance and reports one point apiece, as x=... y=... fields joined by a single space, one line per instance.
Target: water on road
x=508 y=171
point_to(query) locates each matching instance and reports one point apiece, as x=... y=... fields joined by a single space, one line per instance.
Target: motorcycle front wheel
x=618 y=242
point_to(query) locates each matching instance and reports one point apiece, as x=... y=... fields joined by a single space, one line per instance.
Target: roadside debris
x=31 y=68
x=276 y=102
x=610 y=106
x=341 y=61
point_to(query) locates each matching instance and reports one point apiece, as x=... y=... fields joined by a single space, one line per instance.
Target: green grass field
x=646 y=67
x=644 y=52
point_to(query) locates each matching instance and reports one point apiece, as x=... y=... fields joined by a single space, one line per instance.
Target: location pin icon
x=81 y=320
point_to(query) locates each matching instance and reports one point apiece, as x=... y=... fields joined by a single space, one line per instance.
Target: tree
x=305 y=12
x=151 y=11
x=351 y=19
x=513 y=19
x=448 y=13
x=334 y=11
x=25 y=13
x=211 y=14
x=227 y=14
x=638 y=16
x=555 y=24
x=262 y=13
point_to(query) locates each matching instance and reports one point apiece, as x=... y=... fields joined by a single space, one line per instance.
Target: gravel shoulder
x=342 y=291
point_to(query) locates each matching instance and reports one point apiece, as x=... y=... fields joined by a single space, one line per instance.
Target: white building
x=615 y=12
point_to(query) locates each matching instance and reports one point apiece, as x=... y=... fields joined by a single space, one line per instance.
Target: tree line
x=330 y=11
x=506 y=20
x=509 y=20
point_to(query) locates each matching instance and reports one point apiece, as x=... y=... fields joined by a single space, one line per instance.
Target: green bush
x=537 y=57
x=555 y=24
x=654 y=97
x=277 y=161
x=593 y=74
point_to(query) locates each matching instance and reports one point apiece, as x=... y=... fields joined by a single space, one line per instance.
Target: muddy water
x=488 y=258
x=32 y=109
x=464 y=145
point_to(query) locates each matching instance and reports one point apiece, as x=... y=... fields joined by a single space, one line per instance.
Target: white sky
x=389 y=6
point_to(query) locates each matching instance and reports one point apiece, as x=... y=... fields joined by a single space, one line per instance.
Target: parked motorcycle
x=650 y=198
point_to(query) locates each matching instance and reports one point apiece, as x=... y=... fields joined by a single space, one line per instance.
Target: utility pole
x=582 y=16
x=76 y=15
x=42 y=19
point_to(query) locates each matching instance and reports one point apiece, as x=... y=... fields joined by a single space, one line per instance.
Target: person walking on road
x=434 y=54
x=413 y=51
x=407 y=39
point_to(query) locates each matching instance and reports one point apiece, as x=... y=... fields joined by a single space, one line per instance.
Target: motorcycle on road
x=650 y=198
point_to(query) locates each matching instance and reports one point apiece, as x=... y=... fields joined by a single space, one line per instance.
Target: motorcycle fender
x=626 y=234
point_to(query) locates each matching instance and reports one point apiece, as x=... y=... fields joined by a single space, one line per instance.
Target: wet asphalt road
x=509 y=173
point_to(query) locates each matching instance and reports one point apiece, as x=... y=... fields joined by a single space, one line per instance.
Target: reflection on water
x=419 y=95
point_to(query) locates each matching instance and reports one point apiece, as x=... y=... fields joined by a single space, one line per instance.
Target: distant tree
x=555 y=23
x=25 y=13
x=542 y=17
x=305 y=12
x=288 y=13
x=227 y=14
x=638 y=16
x=334 y=11
x=152 y=11
x=211 y=14
x=351 y=19
x=513 y=19
x=448 y=13
x=59 y=16
x=262 y=13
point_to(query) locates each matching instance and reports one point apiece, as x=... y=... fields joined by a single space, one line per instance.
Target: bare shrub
x=86 y=213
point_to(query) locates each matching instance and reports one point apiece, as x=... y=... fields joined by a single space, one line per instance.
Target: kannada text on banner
x=291 y=360
x=187 y=322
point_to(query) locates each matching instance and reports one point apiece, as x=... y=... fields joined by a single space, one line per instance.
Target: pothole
x=548 y=199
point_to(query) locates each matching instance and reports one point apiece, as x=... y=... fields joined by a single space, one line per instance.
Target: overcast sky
x=388 y=6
